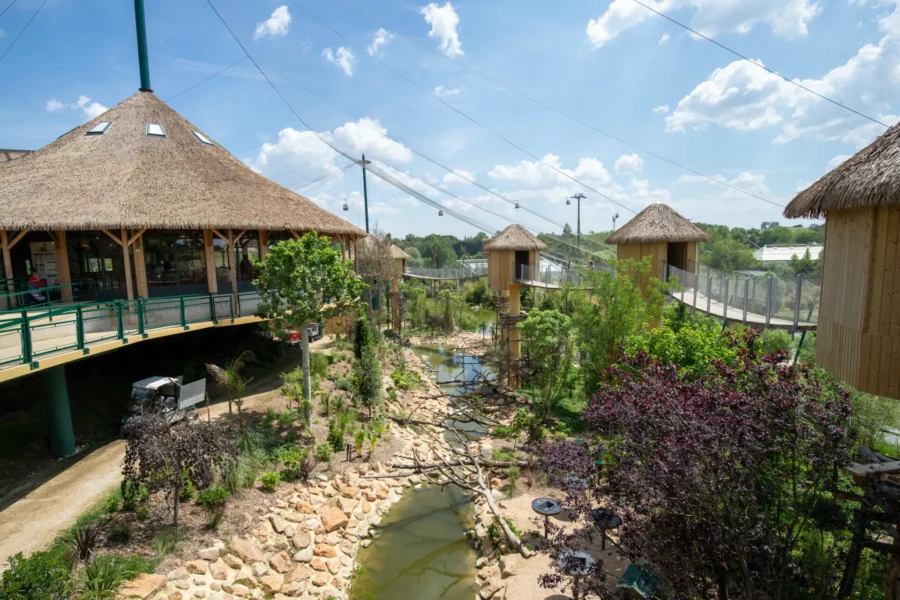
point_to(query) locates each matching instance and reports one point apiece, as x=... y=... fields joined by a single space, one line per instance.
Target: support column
x=7 y=269
x=140 y=267
x=263 y=244
x=232 y=261
x=212 y=282
x=515 y=339
x=62 y=267
x=56 y=395
x=127 y=256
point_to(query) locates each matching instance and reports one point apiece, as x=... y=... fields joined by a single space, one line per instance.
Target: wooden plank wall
x=693 y=257
x=500 y=269
x=636 y=252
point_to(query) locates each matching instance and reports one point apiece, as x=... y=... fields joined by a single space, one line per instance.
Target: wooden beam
x=212 y=280
x=238 y=237
x=136 y=236
x=140 y=264
x=127 y=257
x=295 y=234
x=16 y=239
x=114 y=238
x=219 y=235
x=232 y=259
x=62 y=266
x=263 y=244
x=7 y=267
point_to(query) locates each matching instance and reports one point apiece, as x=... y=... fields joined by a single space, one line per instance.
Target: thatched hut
x=662 y=234
x=858 y=335
x=512 y=254
x=140 y=185
x=400 y=257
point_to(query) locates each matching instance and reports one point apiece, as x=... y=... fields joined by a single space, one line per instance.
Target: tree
x=720 y=479
x=363 y=333
x=301 y=280
x=807 y=265
x=236 y=386
x=549 y=344
x=613 y=310
x=160 y=457
x=367 y=374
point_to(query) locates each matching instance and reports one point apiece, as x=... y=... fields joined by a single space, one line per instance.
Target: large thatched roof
x=514 y=237
x=871 y=177
x=126 y=178
x=8 y=155
x=657 y=223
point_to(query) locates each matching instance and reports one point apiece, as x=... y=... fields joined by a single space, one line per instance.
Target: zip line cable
x=170 y=98
x=7 y=8
x=469 y=118
x=761 y=66
x=10 y=47
x=563 y=114
x=325 y=178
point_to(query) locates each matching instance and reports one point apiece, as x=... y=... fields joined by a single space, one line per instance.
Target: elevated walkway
x=33 y=340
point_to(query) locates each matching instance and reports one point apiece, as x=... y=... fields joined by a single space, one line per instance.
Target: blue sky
x=612 y=64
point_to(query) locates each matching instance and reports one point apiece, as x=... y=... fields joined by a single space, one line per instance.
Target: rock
x=305 y=508
x=300 y=573
x=260 y=569
x=320 y=580
x=240 y=591
x=492 y=590
x=350 y=492
x=209 y=554
x=333 y=519
x=278 y=523
x=510 y=565
x=272 y=583
x=176 y=595
x=200 y=593
x=303 y=556
x=248 y=550
x=301 y=540
x=176 y=574
x=318 y=564
x=346 y=505
x=198 y=567
x=365 y=543
x=219 y=570
x=334 y=565
x=143 y=586
x=281 y=562
x=233 y=561
x=325 y=550
x=480 y=562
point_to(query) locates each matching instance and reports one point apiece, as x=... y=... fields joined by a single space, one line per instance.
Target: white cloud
x=381 y=39
x=629 y=163
x=444 y=23
x=744 y=97
x=277 y=24
x=458 y=176
x=343 y=58
x=88 y=109
x=665 y=38
x=445 y=91
x=663 y=108
x=754 y=183
x=787 y=18
x=367 y=135
x=547 y=172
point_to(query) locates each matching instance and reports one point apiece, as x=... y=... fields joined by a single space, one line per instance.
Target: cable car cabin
x=662 y=234
x=513 y=255
x=858 y=337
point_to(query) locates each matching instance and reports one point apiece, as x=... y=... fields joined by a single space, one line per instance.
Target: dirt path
x=34 y=521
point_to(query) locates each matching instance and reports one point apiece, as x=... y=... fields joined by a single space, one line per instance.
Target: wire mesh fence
x=465 y=271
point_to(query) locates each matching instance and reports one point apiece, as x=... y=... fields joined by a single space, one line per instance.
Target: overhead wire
x=760 y=65
x=24 y=29
x=7 y=8
x=562 y=113
x=470 y=118
x=201 y=82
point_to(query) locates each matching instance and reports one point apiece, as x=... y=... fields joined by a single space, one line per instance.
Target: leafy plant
x=336 y=435
x=212 y=497
x=270 y=480
x=102 y=577
x=367 y=373
x=495 y=532
x=142 y=512
x=318 y=365
x=298 y=463
x=113 y=502
x=359 y=439
x=119 y=533
x=165 y=543
x=343 y=385
x=548 y=338
x=133 y=495
x=324 y=452
x=41 y=576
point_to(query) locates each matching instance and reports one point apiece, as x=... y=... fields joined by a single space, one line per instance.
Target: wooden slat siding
x=893 y=389
x=500 y=269
x=891 y=264
x=692 y=257
x=877 y=276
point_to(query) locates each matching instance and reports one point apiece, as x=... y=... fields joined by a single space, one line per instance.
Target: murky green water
x=420 y=550
x=450 y=366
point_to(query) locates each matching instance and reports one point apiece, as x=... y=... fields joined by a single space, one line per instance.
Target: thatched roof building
x=149 y=168
x=658 y=223
x=514 y=237
x=871 y=177
x=858 y=337
x=397 y=253
x=7 y=155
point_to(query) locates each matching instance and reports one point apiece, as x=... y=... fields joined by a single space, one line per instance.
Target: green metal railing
x=23 y=297
x=27 y=335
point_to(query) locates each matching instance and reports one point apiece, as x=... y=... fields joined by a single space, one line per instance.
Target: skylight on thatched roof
x=149 y=168
x=657 y=223
x=871 y=177
x=514 y=237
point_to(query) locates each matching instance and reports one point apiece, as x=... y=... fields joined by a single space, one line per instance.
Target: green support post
x=79 y=328
x=142 y=326
x=364 y=162
x=56 y=394
x=181 y=312
x=143 y=59
x=212 y=309
x=26 y=338
x=239 y=305
x=120 y=322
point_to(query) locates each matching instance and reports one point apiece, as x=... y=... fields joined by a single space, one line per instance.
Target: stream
x=420 y=549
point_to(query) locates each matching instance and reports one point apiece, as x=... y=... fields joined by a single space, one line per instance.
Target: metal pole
x=708 y=291
x=143 y=59
x=725 y=306
x=365 y=162
x=746 y=298
x=696 y=282
x=769 y=287
x=797 y=302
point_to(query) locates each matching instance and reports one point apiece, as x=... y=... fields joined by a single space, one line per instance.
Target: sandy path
x=34 y=521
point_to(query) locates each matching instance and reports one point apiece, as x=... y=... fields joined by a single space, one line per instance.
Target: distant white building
x=781 y=254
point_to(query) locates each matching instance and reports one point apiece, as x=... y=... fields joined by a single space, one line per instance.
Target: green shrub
x=133 y=495
x=103 y=576
x=367 y=372
x=212 y=497
x=495 y=531
x=343 y=385
x=113 y=502
x=298 y=463
x=287 y=417
x=119 y=533
x=270 y=480
x=318 y=365
x=324 y=452
x=41 y=576
x=142 y=512
x=165 y=543
x=503 y=454
x=774 y=340
x=188 y=491
x=335 y=435
x=363 y=335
